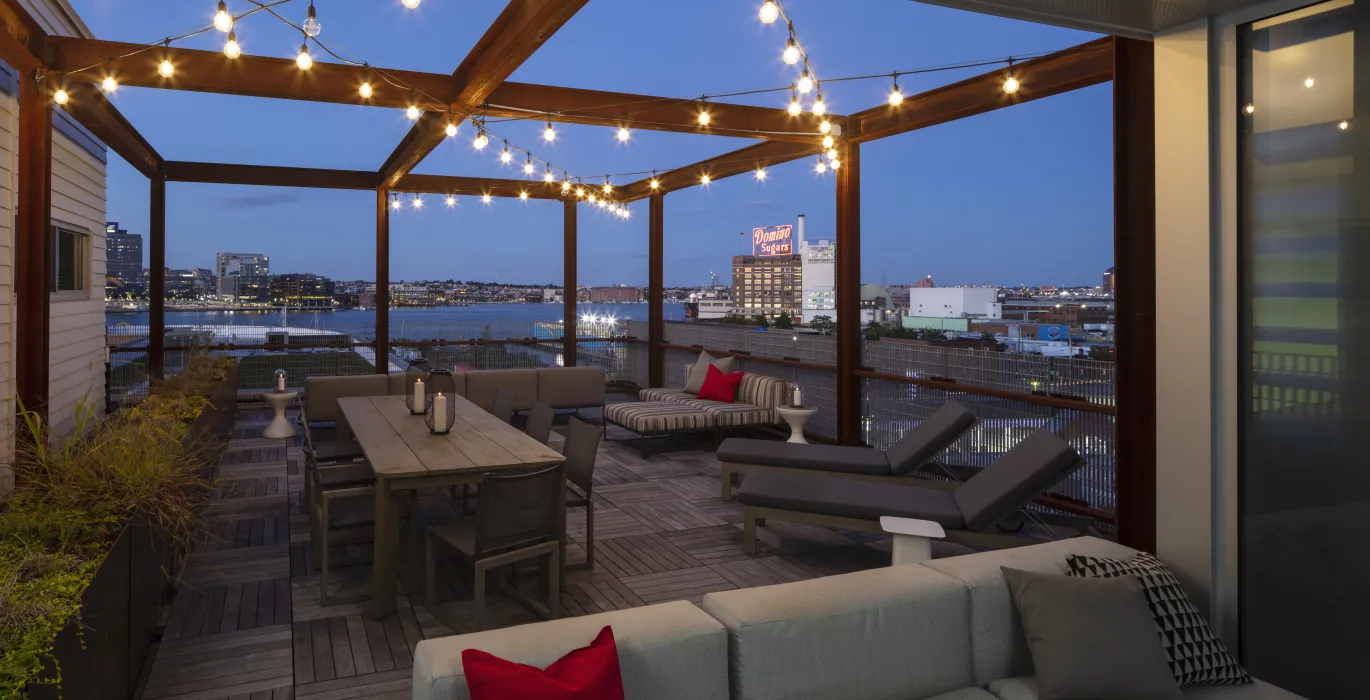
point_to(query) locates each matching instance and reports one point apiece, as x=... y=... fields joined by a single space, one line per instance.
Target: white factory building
x=955 y=302
x=818 y=263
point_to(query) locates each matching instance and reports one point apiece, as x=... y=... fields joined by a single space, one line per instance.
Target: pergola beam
x=93 y=110
x=270 y=176
x=743 y=160
x=22 y=39
x=516 y=34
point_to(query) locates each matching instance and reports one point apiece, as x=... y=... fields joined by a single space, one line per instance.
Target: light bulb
x=528 y=168
x=593 y=199
x=834 y=163
x=451 y=201
x=565 y=186
x=411 y=4
x=395 y=204
x=819 y=106
x=547 y=176
x=825 y=127
x=485 y=199
x=61 y=97
x=506 y=156
x=480 y=141
x=451 y=130
x=805 y=84
x=1344 y=125
x=827 y=142
x=770 y=12
x=1251 y=109
x=704 y=179
x=418 y=203
x=704 y=118
x=109 y=84
x=821 y=167
x=832 y=154
x=791 y=54
x=166 y=69
x=231 y=47
x=366 y=90
x=654 y=184
x=1011 y=85
x=549 y=134
x=795 y=109
x=222 y=20
x=304 y=61
x=523 y=195
x=623 y=134
x=580 y=192
x=311 y=24
x=1309 y=82
x=896 y=97
x=607 y=187
x=412 y=112
x=761 y=173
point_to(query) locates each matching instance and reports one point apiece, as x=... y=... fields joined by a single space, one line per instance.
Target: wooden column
x=656 y=291
x=33 y=246
x=848 y=283
x=569 y=332
x=156 y=291
x=382 y=282
x=1134 y=281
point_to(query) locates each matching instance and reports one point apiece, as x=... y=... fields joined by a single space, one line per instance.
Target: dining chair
x=540 y=422
x=503 y=404
x=330 y=465
x=516 y=519
x=580 y=450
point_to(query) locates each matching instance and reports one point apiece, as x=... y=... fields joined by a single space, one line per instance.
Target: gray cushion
x=571 y=387
x=1034 y=465
x=1091 y=642
x=863 y=500
x=930 y=438
x=694 y=379
x=830 y=458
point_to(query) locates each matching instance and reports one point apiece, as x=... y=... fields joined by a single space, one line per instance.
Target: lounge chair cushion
x=1034 y=465
x=930 y=438
x=664 y=394
x=863 y=500
x=828 y=458
x=648 y=417
x=731 y=415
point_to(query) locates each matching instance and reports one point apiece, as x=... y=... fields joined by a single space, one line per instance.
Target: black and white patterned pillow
x=1197 y=656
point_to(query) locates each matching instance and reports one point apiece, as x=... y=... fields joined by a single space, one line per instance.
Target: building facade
x=302 y=291
x=123 y=253
x=768 y=285
x=234 y=269
x=818 y=270
x=955 y=302
x=611 y=295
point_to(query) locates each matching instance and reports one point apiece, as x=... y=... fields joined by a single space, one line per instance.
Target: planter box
x=214 y=427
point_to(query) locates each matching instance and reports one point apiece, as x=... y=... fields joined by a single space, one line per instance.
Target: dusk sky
x=1019 y=195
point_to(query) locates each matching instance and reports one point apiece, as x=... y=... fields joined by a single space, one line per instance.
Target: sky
x=1022 y=195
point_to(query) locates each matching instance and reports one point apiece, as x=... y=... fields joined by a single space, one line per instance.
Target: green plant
x=823 y=324
x=784 y=322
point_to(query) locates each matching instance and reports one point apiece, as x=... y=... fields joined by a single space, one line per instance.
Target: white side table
x=912 y=539
x=796 y=417
x=279 y=427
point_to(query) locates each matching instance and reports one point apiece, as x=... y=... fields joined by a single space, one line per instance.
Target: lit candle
x=439 y=413
x=280 y=383
x=418 y=394
x=797 y=400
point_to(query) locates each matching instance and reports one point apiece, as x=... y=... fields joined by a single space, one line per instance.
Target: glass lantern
x=442 y=412
x=441 y=380
x=416 y=393
x=279 y=382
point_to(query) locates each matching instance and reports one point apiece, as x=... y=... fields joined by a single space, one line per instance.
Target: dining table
x=405 y=456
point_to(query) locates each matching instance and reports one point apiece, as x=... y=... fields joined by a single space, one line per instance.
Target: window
x=69 y=271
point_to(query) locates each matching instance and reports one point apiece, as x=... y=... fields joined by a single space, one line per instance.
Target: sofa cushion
x=587 y=673
x=659 y=394
x=481 y=386
x=763 y=391
x=694 y=374
x=1091 y=638
x=571 y=387
x=648 y=417
x=965 y=694
x=732 y=415
x=1000 y=648
x=894 y=633
x=672 y=651
x=828 y=458
x=399 y=383
x=865 y=500
x=321 y=394
x=1025 y=688
x=929 y=438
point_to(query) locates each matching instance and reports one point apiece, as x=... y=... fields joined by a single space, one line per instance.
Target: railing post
x=156 y=293
x=382 y=282
x=848 y=292
x=569 y=333
x=33 y=246
x=656 y=283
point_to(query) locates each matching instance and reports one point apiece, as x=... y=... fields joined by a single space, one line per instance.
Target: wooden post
x=156 y=292
x=382 y=282
x=656 y=291
x=848 y=283
x=1134 y=281
x=33 y=246
x=569 y=332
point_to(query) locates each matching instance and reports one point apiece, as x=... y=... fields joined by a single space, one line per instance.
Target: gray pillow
x=694 y=378
x=1091 y=642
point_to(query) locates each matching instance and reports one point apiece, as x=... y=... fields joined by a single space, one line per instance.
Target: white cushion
x=1025 y=688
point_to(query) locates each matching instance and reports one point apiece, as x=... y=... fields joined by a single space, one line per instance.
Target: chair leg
x=430 y=575
x=589 y=534
x=749 y=532
x=727 y=478
x=478 y=597
x=321 y=551
x=554 y=584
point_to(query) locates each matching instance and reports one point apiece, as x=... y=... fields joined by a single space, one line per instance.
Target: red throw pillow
x=587 y=673
x=719 y=386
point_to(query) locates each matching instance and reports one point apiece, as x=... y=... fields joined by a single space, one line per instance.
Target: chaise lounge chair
x=913 y=451
x=967 y=512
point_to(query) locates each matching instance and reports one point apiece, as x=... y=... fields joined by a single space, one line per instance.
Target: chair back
x=582 y=446
x=308 y=438
x=936 y=433
x=1026 y=471
x=518 y=509
x=503 y=405
x=540 y=422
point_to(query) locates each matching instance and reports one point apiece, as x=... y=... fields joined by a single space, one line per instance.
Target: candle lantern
x=440 y=380
x=415 y=392
x=280 y=381
x=441 y=414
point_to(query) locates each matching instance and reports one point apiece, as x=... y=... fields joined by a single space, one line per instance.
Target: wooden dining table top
x=398 y=444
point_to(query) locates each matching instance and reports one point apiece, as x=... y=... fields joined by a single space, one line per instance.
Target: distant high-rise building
x=123 y=254
x=232 y=269
x=302 y=291
x=818 y=274
x=603 y=295
x=1108 y=282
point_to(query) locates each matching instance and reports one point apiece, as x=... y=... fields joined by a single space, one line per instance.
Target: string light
x=607 y=187
x=451 y=129
x=592 y=198
x=311 y=24
x=819 y=106
x=109 y=84
x=506 y=156
x=528 y=166
x=451 y=201
x=770 y=12
x=60 y=97
x=654 y=183
x=761 y=173
x=821 y=167
x=565 y=186
x=222 y=20
x=365 y=89
x=580 y=193
x=547 y=176
x=411 y=4
x=1309 y=82
x=1251 y=109
x=827 y=142
x=704 y=117
x=418 y=202
x=704 y=179
x=1344 y=125
x=825 y=127
x=485 y=199
x=523 y=195
x=1011 y=85
x=791 y=55
x=896 y=97
x=805 y=83
x=304 y=61
x=795 y=109
x=834 y=163
x=412 y=111
x=166 y=68
x=623 y=134
x=233 y=50
x=481 y=140
x=832 y=154
x=549 y=134
x=395 y=203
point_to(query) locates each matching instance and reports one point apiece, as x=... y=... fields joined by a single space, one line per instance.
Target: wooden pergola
x=479 y=85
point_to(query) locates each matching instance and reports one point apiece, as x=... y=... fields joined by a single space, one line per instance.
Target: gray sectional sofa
x=939 y=630
x=559 y=387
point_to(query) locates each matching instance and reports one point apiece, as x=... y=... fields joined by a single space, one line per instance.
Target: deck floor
x=246 y=622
